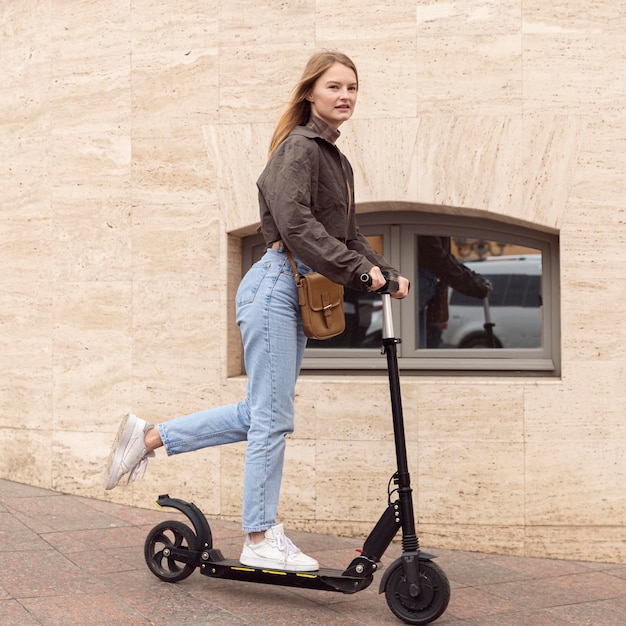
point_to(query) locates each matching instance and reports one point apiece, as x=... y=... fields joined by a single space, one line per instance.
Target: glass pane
x=450 y=315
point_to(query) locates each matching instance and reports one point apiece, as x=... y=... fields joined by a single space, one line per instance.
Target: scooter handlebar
x=390 y=286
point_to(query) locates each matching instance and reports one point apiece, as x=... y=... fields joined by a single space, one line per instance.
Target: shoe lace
x=286 y=546
x=139 y=471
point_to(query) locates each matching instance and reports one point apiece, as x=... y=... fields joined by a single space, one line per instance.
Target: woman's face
x=333 y=96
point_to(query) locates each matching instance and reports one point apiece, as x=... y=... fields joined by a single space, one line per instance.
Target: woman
x=305 y=196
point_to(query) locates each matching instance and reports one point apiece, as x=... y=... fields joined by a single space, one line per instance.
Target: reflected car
x=515 y=306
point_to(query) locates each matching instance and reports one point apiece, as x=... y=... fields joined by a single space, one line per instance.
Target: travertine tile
x=352 y=477
x=462 y=482
x=454 y=150
x=172 y=340
x=169 y=166
x=575 y=483
x=186 y=25
x=239 y=153
x=26 y=353
x=90 y=94
x=92 y=241
x=255 y=88
x=561 y=16
x=376 y=22
x=481 y=412
x=467 y=75
x=470 y=16
x=574 y=74
x=91 y=165
x=550 y=147
x=598 y=173
x=291 y=23
x=70 y=28
x=26 y=455
x=176 y=242
x=165 y=84
x=92 y=352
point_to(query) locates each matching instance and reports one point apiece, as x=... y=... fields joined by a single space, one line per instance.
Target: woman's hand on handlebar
x=403 y=289
x=377 y=279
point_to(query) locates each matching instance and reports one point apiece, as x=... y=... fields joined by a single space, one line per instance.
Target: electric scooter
x=416 y=589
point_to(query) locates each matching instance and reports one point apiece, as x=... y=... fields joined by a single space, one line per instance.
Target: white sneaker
x=276 y=551
x=128 y=453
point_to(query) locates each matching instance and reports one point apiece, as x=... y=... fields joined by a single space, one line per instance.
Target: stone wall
x=132 y=134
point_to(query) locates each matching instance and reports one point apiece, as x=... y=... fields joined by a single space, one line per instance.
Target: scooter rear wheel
x=431 y=601
x=159 y=541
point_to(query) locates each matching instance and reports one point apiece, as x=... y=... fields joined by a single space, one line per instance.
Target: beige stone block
x=350 y=411
x=241 y=24
x=574 y=74
x=593 y=295
x=70 y=30
x=469 y=16
x=463 y=482
x=469 y=75
x=231 y=479
x=185 y=25
x=591 y=401
x=377 y=22
x=90 y=94
x=551 y=145
x=193 y=477
x=352 y=479
x=298 y=490
x=90 y=165
x=26 y=352
x=92 y=351
x=563 y=16
x=600 y=172
x=92 y=241
x=26 y=43
x=599 y=543
x=489 y=538
x=470 y=162
x=170 y=166
x=179 y=242
x=26 y=456
x=470 y=412
x=78 y=465
x=575 y=483
x=254 y=87
x=387 y=76
x=172 y=88
x=176 y=327
x=25 y=177
x=239 y=152
x=382 y=154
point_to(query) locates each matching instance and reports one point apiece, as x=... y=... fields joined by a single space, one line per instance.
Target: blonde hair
x=298 y=109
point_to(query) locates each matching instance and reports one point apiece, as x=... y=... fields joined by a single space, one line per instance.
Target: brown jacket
x=305 y=193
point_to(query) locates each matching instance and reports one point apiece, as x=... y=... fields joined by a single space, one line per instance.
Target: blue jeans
x=269 y=318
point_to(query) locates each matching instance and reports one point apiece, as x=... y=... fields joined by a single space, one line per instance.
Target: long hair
x=298 y=109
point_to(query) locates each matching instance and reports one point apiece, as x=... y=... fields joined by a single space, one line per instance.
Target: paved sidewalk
x=70 y=560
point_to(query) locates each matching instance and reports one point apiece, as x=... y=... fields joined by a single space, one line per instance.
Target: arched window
x=516 y=331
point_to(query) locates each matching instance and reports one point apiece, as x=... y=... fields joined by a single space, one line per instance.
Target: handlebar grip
x=390 y=286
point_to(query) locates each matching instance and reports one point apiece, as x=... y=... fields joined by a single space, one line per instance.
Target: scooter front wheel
x=431 y=601
x=157 y=550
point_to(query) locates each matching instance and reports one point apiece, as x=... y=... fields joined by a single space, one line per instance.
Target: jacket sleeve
x=437 y=260
x=285 y=189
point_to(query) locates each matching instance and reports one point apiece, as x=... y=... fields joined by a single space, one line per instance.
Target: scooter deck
x=325 y=578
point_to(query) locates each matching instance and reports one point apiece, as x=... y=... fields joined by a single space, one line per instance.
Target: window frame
x=399 y=230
